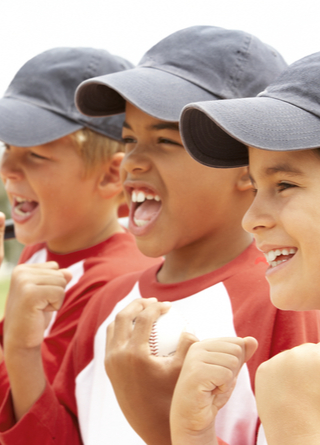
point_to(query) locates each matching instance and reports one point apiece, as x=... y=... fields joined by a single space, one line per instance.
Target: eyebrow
x=160 y=126
x=281 y=168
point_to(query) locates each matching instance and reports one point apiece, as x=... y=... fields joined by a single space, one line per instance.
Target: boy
x=281 y=129
x=61 y=174
x=212 y=271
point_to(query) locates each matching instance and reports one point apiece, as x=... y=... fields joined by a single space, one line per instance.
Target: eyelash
x=281 y=187
x=284 y=186
x=129 y=140
x=35 y=155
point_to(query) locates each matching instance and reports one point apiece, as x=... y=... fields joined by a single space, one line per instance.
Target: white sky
x=130 y=27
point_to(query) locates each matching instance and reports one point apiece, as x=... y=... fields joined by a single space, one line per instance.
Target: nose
x=10 y=166
x=259 y=215
x=137 y=160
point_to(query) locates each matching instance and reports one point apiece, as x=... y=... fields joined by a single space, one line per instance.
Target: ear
x=109 y=184
x=243 y=181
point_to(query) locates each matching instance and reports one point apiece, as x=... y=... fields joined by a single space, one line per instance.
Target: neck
x=203 y=256
x=89 y=235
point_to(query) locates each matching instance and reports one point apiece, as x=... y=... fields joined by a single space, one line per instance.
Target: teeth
x=275 y=263
x=19 y=199
x=140 y=196
x=270 y=256
x=273 y=254
x=19 y=212
x=140 y=222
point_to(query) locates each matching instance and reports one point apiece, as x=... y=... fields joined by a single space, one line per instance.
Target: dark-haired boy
x=212 y=272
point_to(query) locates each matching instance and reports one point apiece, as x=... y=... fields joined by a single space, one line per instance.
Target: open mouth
x=145 y=206
x=23 y=208
x=278 y=256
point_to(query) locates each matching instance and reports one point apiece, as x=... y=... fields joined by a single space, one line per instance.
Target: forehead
x=136 y=119
x=265 y=163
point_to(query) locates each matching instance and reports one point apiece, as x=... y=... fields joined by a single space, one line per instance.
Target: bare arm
x=288 y=396
x=35 y=291
x=205 y=384
x=143 y=383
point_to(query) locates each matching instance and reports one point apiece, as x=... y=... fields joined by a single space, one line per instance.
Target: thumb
x=67 y=274
x=251 y=345
x=186 y=340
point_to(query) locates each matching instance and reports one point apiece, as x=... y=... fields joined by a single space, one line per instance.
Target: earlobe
x=109 y=182
x=244 y=182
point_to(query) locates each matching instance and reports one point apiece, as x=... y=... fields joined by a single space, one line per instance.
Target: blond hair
x=94 y=148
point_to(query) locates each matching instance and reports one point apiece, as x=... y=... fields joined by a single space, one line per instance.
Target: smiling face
x=177 y=204
x=52 y=199
x=285 y=221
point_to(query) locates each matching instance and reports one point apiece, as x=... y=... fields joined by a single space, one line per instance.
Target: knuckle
x=120 y=317
x=223 y=376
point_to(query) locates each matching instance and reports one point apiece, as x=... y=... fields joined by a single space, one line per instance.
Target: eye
x=35 y=155
x=128 y=140
x=168 y=142
x=284 y=186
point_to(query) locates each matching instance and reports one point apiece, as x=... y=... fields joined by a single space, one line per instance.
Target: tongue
x=147 y=210
x=27 y=206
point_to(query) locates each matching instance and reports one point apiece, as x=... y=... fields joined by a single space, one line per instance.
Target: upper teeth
x=140 y=196
x=273 y=254
x=19 y=199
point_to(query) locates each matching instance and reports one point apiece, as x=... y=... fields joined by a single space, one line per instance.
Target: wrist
x=27 y=377
x=186 y=436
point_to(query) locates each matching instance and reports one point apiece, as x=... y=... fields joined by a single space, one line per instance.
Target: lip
x=21 y=219
x=129 y=187
x=273 y=269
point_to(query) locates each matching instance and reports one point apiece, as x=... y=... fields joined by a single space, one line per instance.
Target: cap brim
x=217 y=133
x=23 y=124
x=157 y=93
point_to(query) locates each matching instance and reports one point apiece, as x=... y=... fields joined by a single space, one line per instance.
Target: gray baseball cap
x=284 y=117
x=194 y=64
x=38 y=106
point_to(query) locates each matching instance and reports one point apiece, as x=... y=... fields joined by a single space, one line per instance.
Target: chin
x=294 y=301
x=149 y=250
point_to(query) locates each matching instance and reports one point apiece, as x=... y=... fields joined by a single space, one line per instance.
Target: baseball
x=166 y=333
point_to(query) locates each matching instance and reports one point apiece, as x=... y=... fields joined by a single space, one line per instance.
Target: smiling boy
x=278 y=134
x=212 y=271
x=61 y=175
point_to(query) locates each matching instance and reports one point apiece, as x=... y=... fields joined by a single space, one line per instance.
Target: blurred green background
x=12 y=250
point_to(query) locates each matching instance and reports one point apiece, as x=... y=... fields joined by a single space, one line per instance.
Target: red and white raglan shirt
x=91 y=269
x=81 y=408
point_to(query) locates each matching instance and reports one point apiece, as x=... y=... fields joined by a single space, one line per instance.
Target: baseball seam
x=153 y=340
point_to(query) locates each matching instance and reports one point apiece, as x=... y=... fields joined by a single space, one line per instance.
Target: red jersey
x=91 y=269
x=81 y=408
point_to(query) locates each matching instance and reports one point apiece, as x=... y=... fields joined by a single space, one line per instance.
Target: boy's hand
x=205 y=384
x=35 y=291
x=143 y=383
x=288 y=396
